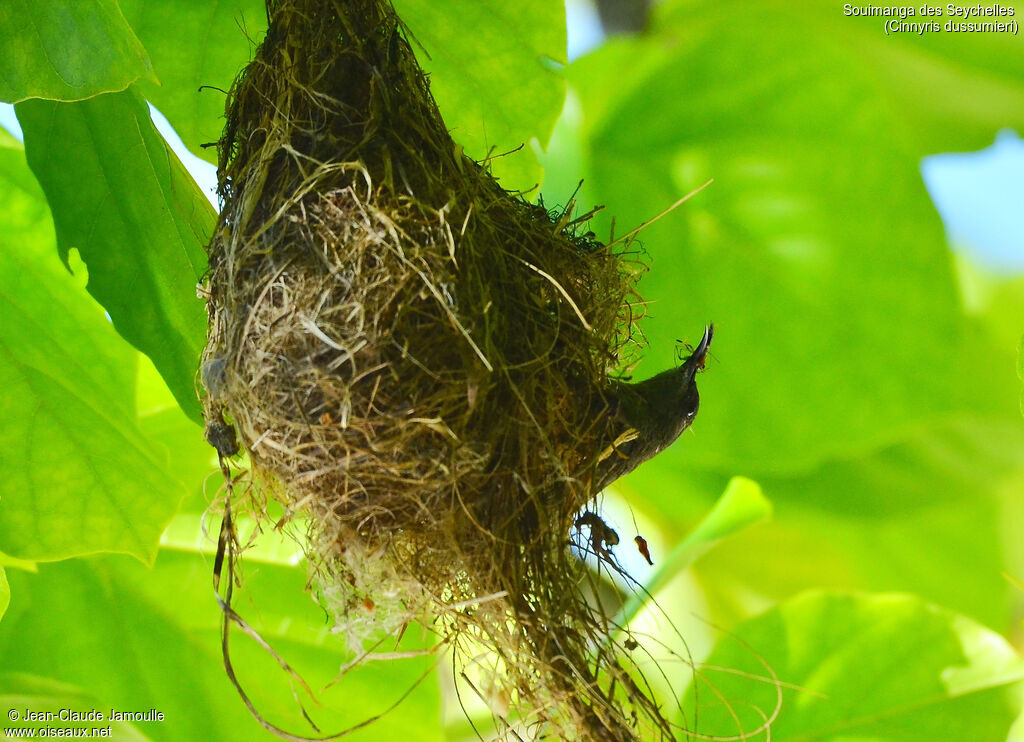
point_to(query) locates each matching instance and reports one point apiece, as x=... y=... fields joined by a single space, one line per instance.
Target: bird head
x=686 y=387
x=695 y=361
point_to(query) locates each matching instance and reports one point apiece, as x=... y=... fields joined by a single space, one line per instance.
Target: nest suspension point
x=417 y=363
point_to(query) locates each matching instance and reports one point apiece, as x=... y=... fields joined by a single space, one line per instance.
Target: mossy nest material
x=417 y=362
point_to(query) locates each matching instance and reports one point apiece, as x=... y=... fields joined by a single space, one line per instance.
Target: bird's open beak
x=696 y=360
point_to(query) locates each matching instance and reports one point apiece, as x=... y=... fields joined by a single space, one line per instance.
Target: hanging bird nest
x=417 y=363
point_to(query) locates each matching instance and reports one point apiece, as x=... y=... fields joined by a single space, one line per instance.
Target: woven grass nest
x=417 y=363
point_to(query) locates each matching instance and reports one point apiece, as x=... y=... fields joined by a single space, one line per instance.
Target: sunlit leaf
x=741 y=505
x=5 y=592
x=123 y=199
x=858 y=667
x=76 y=474
x=66 y=50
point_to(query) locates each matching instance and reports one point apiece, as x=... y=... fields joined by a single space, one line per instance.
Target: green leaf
x=741 y=505
x=885 y=668
x=816 y=250
x=22 y=692
x=123 y=199
x=142 y=638
x=493 y=70
x=196 y=45
x=76 y=474
x=5 y=592
x=67 y=50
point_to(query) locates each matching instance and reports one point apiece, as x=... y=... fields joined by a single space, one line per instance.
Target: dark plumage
x=648 y=416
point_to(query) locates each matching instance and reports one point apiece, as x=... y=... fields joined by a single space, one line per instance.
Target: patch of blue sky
x=980 y=197
x=583 y=25
x=9 y=121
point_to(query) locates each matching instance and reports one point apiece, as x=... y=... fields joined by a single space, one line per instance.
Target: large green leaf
x=196 y=45
x=123 y=199
x=66 y=50
x=149 y=638
x=492 y=69
x=491 y=64
x=885 y=668
x=76 y=474
x=816 y=250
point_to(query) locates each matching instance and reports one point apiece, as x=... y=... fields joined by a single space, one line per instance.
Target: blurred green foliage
x=863 y=378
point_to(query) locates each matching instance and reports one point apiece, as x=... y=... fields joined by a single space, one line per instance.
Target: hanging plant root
x=416 y=362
